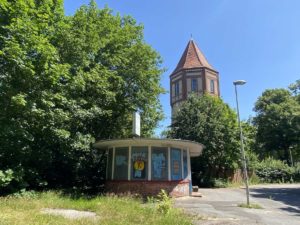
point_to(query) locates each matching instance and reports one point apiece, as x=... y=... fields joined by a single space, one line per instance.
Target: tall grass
x=23 y=210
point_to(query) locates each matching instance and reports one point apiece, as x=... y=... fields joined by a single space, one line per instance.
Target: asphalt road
x=281 y=205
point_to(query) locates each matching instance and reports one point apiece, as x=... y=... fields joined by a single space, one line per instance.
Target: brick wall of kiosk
x=149 y=188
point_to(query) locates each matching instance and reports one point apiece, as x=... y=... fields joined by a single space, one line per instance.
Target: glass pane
x=185 y=164
x=159 y=163
x=109 y=164
x=121 y=164
x=139 y=163
x=177 y=89
x=176 y=164
x=194 y=85
x=212 y=86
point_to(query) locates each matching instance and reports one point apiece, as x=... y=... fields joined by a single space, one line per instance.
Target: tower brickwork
x=193 y=74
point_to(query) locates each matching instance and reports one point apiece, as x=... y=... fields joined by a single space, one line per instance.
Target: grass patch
x=21 y=210
x=250 y=206
x=235 y=184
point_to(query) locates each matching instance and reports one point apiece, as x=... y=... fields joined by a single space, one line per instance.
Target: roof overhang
x=195 y=148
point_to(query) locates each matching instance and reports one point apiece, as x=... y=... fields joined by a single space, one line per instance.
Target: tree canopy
x=68 y=81
x=278 y=122
x=208 y=120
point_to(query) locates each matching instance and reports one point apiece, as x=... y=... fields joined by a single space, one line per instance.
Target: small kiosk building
x=145 y=166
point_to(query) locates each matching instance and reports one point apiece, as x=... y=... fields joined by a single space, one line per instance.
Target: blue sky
x=257 y=41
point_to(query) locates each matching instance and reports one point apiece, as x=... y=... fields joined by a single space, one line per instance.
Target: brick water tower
x=193 y=74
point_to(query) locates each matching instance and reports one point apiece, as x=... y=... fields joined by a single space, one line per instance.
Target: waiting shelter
x=147 y=165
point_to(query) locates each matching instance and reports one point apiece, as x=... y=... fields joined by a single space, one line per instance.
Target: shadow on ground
x=288 y=196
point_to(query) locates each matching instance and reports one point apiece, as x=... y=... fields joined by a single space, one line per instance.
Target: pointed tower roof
x=192 y=57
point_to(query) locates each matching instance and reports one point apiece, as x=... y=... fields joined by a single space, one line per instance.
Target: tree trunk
x=287 y=156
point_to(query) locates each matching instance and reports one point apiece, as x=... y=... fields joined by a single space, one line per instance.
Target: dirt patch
x=69 y=213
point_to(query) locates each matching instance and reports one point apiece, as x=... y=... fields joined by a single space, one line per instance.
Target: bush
x=254 y=179
x=6 y=177
x=11 y=181
x=219 y=183
x=274 y=171
x=164 y=202
x=297 y=172
x=25 y=194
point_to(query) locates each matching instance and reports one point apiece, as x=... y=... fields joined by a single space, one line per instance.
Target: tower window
x=194 y=85
x=176 y=89
x=212 y=86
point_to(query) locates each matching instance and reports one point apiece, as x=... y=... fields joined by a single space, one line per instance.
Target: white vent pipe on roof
x=136 y=124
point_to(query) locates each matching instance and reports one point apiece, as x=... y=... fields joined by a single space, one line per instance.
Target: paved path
x=281 y=205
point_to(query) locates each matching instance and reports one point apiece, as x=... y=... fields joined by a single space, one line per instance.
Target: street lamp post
x=242 y=82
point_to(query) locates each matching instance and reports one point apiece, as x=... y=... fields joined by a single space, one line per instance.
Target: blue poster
x=159 y=163
x=176 y=164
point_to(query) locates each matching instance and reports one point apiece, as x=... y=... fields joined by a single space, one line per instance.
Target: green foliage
x=6 y=177
x=295 y=89
x=220 y=183
x=12 y=180
x=252 y=160
x=274 y=171
x=278 y=124
x=297 y=172
x=250 y=206
x=250 y=146
x=25 y=194
x=208 y=120
x=66 y=82
x=254 y=179
x=26 y=209
x=165 y=202
x=211 y=182
x=151 y=199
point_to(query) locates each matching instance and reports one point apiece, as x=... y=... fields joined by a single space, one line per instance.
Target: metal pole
x=242 y=148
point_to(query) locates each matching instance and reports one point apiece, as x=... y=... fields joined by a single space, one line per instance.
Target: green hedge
x=276 y=171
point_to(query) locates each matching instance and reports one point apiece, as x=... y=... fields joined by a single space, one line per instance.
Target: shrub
x=216 y=178
x=6 y=177
x=25 y=194
x=219 y=183
x=274 y=171
x=12 y=181
x=297 y=172
x=164 y=202
x=254 y=179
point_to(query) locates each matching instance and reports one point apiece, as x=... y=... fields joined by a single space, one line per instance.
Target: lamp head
x=239 y=82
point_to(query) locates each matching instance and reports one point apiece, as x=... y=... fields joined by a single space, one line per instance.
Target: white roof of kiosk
x=194 y=147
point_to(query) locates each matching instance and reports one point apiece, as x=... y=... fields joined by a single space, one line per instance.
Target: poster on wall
x=159 y=164
x=176 y=164
x=121 y=164
x=139 y=164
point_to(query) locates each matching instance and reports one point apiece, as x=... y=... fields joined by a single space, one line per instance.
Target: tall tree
x=208 y=120
x=278 y=123
x=114 y=67
x=30 y=81
x=295 y=89
x=68 y=81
